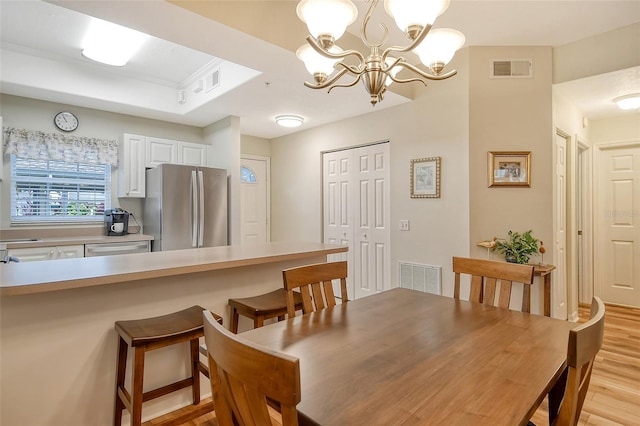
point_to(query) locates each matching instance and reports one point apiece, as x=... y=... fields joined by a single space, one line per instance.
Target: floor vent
x=416 y=276
x=512 y=68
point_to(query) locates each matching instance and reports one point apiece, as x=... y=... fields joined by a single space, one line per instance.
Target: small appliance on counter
x=116 y=222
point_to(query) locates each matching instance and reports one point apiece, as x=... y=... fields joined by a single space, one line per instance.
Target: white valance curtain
x=38 y=145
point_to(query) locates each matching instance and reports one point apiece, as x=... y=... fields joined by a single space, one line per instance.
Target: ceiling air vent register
x=512 y=68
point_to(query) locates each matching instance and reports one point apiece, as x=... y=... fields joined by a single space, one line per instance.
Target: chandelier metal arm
x=428 y=75
x=421 y=36
x=327 y=83
x=407 y=80
x=365 y=24
x=312 y=41
x=346 y=85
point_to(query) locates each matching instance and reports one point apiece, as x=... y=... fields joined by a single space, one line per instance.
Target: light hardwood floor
x=614 y=392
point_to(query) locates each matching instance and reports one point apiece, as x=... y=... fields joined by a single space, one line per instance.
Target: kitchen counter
x=57 y=322
x=29 y=278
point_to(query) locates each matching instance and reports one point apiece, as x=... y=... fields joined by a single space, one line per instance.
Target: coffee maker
x=116 y=222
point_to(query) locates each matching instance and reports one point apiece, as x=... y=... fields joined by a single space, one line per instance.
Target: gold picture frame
x=509 y=168
x=425 y=177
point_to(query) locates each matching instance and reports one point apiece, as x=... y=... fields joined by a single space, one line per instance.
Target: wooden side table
x=544 y=271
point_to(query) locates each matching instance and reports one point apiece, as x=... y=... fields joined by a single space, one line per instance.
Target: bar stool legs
x=149 y=334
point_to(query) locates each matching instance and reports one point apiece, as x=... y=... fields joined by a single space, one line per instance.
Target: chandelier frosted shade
x=327 y=18
x=438 y=47
x=410 y=13
x=316 y=64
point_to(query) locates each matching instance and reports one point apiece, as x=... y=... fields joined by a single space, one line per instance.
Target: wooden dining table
x=413 y=358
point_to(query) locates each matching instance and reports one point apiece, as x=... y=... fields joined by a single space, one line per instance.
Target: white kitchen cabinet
x=160 y=151
x=192 y=154
x=34 y=254
x=131 y=166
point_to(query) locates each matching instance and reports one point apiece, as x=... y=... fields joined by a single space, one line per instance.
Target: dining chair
x=489 y=277
x=585 y=342
x=314 y=282
x=245 y=375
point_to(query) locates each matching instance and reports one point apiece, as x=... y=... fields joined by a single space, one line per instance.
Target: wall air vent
x=420 y=277
x=512 y=68
x=213 y=80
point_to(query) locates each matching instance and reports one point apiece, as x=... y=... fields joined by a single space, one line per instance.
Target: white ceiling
x=41 y=59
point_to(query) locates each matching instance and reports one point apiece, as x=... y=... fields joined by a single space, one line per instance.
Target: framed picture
x=509 y=168
x=425 y=177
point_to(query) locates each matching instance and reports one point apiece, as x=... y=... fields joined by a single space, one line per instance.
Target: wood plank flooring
x=614 y=392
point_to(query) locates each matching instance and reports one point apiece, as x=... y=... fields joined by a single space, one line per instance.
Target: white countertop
x=53 y=275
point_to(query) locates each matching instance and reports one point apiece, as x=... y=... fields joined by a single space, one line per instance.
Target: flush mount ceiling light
x=327 y=21
x=111 y=44
x=628 y=101
x=289 y=120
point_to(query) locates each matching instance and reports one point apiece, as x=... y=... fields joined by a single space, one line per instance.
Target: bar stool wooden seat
x=262 y=307
x=149 y=334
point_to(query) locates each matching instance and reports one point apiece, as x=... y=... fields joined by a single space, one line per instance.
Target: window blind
x=58 y=191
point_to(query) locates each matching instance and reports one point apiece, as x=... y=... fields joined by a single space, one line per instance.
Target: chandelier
x=327 y=21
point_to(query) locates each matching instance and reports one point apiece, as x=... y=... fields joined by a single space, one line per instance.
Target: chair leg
x=120 y=373
x=280 y=317
x=136 y=387
x=195 y=371
x=235 y=317
x=258 y=321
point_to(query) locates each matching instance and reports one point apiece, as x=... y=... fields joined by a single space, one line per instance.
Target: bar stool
x=262 y=307
x=149 y=334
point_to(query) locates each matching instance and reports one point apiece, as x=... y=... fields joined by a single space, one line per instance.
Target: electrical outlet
x=404 y=224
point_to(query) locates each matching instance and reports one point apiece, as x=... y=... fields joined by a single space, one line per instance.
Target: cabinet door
x=33 y=254
x=161 y=151
x=192 y=154
x=131 y=176
x=70 y=252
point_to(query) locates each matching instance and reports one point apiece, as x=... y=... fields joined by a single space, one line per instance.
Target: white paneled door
x=254 y=201
x=356 y=213
x=619 y=213
x=559 y=290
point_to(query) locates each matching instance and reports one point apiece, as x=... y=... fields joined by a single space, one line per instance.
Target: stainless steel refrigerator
x=185 y=207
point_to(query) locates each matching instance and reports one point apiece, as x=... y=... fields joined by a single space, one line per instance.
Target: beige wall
x=252 y=145
x=624 y=128
x=30 y=114
x=435 y=124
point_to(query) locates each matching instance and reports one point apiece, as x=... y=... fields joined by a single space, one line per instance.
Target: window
x=58 y=191
x=247 y=175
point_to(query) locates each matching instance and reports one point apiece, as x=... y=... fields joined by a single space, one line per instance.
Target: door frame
x=267 y=160
x=584 y=218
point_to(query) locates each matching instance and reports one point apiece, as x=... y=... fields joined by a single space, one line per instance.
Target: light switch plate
x=404 y=224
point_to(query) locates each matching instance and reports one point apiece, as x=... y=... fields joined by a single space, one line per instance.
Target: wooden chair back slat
x=585 y=341
x=244 y=374
x=490 y=278
x=315 y=284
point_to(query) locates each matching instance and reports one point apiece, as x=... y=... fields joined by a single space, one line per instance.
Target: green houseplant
x=517 y=247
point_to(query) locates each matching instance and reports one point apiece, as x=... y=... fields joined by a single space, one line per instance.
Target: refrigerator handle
x=201 y=208
x=194 y=210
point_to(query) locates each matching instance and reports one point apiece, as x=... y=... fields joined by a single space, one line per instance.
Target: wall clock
x=66 y=121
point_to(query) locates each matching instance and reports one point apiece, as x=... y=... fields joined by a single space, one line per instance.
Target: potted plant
x=517 y=247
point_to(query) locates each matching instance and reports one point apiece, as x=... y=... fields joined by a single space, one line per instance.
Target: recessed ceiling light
x=289 y=120
x=111 y=44
x=628 y=101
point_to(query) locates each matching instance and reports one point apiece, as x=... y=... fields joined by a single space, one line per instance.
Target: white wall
x=623 y=128
x=435 y=124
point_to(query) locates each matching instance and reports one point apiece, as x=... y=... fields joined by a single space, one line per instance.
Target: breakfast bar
x=57 y=317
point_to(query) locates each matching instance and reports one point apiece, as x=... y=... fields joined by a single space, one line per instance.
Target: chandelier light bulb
x=628 y=102
x=410 y=14
x=438 y=47
x=327 y=18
